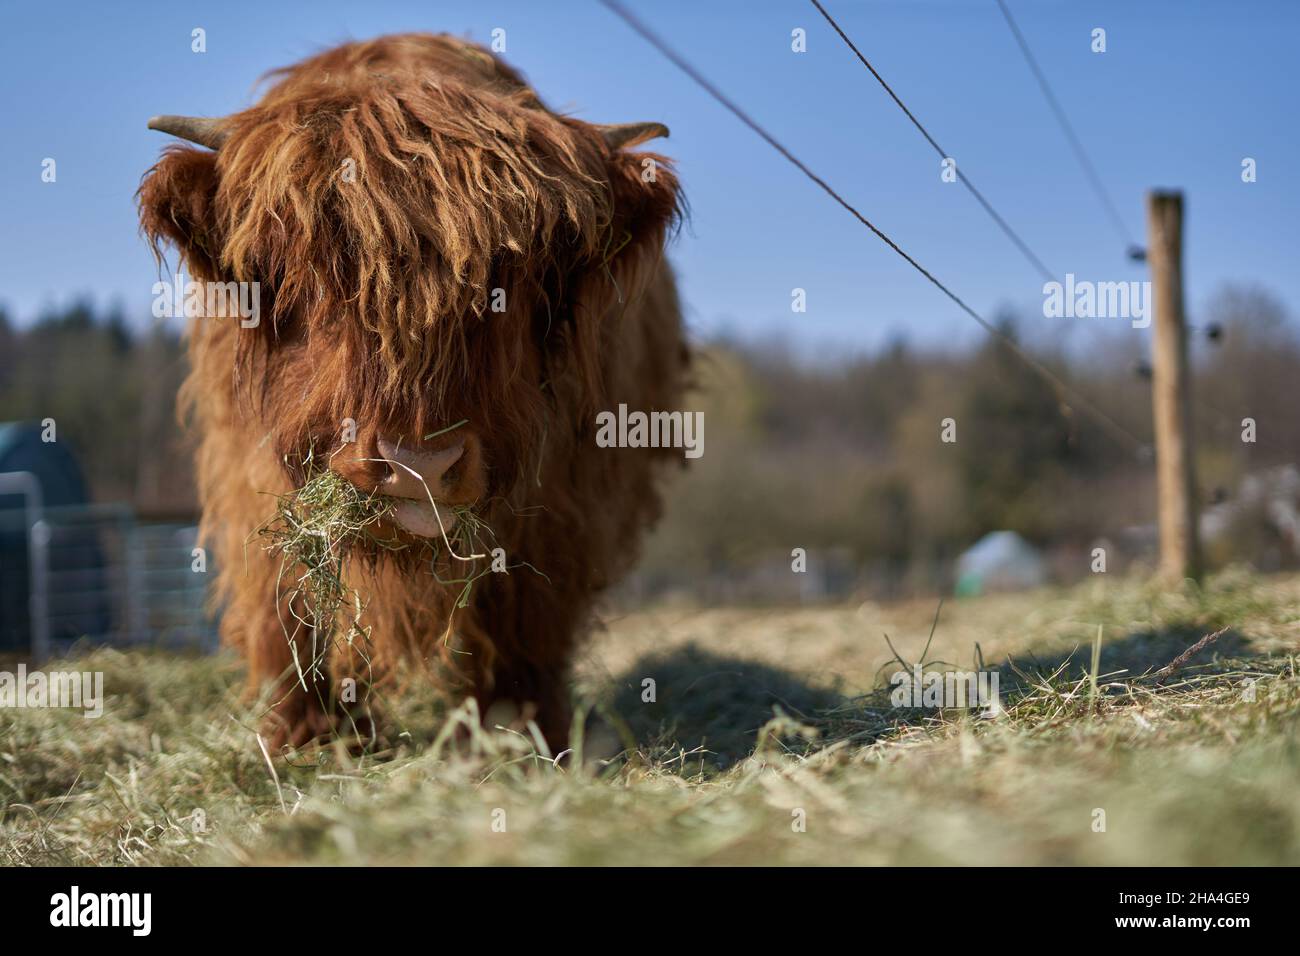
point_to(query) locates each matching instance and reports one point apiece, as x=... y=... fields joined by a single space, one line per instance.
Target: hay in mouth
x=316 y=531
x=319 y=528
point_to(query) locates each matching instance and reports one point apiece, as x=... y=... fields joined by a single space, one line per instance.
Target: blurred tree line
x=111 y=391
x=846 y=458
x=838 y=457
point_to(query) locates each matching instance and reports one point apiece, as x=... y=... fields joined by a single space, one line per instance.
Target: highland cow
x=433 y=246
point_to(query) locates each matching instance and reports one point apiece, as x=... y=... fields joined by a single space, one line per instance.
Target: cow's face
x=435 y=252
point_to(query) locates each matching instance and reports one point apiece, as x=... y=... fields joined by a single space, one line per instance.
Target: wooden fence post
x=1180 y=552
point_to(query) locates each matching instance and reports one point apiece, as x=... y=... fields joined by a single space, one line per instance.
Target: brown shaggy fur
x=375 y=307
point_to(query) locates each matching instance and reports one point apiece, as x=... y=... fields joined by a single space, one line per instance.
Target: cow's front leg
x=520 y=692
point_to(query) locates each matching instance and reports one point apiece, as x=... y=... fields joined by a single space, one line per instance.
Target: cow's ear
x=647 y=203
x=177 y=200
x=645 y=207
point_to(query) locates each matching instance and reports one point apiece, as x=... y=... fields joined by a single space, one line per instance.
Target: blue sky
x=1185 y=90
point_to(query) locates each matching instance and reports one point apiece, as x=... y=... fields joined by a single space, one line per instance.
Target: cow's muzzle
x=426 y=484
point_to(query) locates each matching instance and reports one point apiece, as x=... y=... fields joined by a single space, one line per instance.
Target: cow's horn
x=619 y=135
x=204 y=130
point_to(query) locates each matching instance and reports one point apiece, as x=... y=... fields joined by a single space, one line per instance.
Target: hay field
x=771 y=741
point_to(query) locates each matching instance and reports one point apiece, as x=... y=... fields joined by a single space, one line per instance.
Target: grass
x=328 y=522
x=750 y=753
x=316 y=530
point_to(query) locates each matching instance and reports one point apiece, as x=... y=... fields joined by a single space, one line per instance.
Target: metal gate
x=95 y=574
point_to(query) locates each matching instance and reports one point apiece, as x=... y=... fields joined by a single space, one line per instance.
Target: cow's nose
x=429 y=484
x=415 y=473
